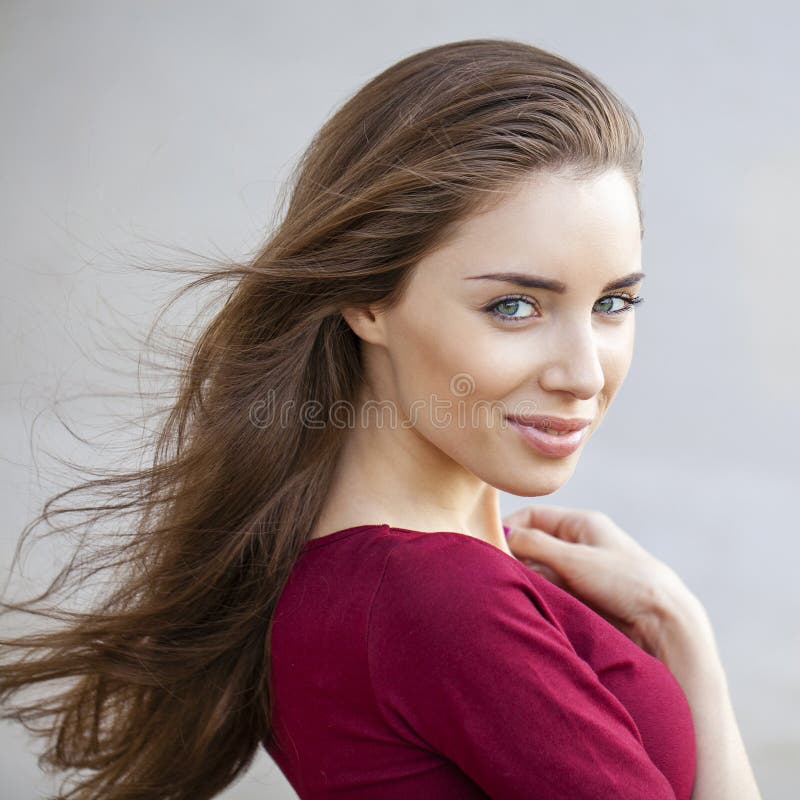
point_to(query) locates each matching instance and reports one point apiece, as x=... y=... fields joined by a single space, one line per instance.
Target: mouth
x=555 y=426
x=551 y=436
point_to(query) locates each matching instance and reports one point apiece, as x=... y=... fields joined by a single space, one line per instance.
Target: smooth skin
x=442 y=349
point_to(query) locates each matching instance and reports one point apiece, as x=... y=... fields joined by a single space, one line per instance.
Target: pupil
x=512 y=303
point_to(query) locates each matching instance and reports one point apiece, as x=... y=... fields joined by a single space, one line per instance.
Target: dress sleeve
x=465 y=662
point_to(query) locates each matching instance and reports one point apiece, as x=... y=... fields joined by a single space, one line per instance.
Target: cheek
x=450 y=368
x=443 y=367
x=616 y=360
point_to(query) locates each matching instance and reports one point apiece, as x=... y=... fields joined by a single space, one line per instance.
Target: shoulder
x=446 y=559
x=458 y=585
x=462 y=661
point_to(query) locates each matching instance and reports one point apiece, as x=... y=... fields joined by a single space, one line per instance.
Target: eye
x=510 y=304
x=630 y=302
x=506 y=308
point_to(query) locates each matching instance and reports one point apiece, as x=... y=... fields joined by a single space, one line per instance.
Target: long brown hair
x=167 y=678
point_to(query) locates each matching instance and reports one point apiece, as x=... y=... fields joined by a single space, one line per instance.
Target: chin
x=535 y=481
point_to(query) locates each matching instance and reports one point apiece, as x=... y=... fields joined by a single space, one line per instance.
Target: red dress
x=412 y=664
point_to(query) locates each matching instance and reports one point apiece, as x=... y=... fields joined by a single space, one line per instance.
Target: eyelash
x=631 y=300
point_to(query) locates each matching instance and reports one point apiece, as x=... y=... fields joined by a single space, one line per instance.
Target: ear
x=366 y=322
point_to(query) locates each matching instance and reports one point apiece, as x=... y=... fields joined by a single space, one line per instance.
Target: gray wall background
x=126 y=124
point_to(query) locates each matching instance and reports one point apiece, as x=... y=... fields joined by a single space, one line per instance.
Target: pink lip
x=551 y=444
x=545 y=421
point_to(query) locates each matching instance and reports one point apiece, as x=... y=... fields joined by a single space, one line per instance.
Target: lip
x=551 y=444
x=547 y=421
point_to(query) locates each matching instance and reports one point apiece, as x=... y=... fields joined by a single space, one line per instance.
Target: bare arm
x=684 y=641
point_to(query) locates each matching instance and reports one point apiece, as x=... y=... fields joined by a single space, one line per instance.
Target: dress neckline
x=335 y=536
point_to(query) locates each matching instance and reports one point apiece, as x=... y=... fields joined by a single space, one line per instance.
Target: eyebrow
x=538 y=282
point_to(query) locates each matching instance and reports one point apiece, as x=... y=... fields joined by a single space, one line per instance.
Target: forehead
x=547 y=223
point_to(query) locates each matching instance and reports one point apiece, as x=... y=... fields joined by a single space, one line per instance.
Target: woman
x=317 y=562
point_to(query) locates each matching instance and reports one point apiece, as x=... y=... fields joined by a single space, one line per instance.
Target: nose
x=572 y=362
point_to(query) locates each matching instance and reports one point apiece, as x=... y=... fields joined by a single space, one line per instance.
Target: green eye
x=506 y=308
x=630 y=302
x=510 y=305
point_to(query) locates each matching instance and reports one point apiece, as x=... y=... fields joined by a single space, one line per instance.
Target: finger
x=538 y=545
x=523 y=517
x=559 y=521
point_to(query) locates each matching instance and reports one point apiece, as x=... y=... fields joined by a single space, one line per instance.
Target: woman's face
x=462 y=349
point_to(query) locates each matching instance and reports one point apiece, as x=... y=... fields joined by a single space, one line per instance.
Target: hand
x=585 y=553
